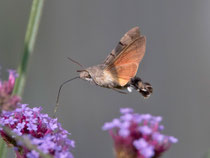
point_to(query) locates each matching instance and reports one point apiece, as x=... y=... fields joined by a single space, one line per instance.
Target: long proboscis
x=59 y=91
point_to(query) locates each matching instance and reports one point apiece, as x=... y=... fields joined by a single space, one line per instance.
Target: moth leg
x=116 y=90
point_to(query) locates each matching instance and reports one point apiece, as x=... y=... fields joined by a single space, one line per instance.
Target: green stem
x=3 y=148
x=29 y=42
x=26 y=142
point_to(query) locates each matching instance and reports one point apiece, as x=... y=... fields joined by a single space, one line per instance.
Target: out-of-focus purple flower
x=7 y=100
x=44 y=132
x=138 y=135
x=126 y=110
x=33 y=154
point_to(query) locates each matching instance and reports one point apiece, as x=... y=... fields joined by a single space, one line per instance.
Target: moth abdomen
x=144 y=88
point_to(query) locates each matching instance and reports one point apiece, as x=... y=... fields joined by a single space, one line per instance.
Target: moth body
x=99 y=76
x=119 y=69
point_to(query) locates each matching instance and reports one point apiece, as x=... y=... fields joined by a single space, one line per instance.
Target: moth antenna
x=76 y=62
x=82 y=70
x=59 y=91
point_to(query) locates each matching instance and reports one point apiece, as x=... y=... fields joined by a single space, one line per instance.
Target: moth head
x=84 y=74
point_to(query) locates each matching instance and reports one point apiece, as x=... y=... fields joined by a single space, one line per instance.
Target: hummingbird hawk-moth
x=119 y=69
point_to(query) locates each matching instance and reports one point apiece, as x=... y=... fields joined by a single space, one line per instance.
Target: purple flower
x=138 y=135
x=33 y=154
x=7 y=100
x=173 y=139
x=126 y=110
x=110 y=125
x=140 y=144
x=124 y=132
x=158 y=137
x=31 y=126
x=44 y=132
x=145 y=130
x=147 y=152
x=53 y=124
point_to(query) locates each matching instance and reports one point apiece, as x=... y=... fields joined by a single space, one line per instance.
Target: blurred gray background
x=176 y=63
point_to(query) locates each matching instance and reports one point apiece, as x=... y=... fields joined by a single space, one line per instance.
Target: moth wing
x=126 y=40
x=125 y=65
x=123 y=73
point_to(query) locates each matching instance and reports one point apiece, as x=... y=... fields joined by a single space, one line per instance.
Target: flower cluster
x=7 y=100
x=44 y=132
x=138 y=135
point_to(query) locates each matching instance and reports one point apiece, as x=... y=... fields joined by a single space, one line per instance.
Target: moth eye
x=88 y=77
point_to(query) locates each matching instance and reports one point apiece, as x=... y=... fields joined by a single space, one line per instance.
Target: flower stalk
x=29 y=42
x=3 y=148
x=25 y=142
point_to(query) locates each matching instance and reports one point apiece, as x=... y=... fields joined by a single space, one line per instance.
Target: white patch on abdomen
x=89 y=79
x=130 y=89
